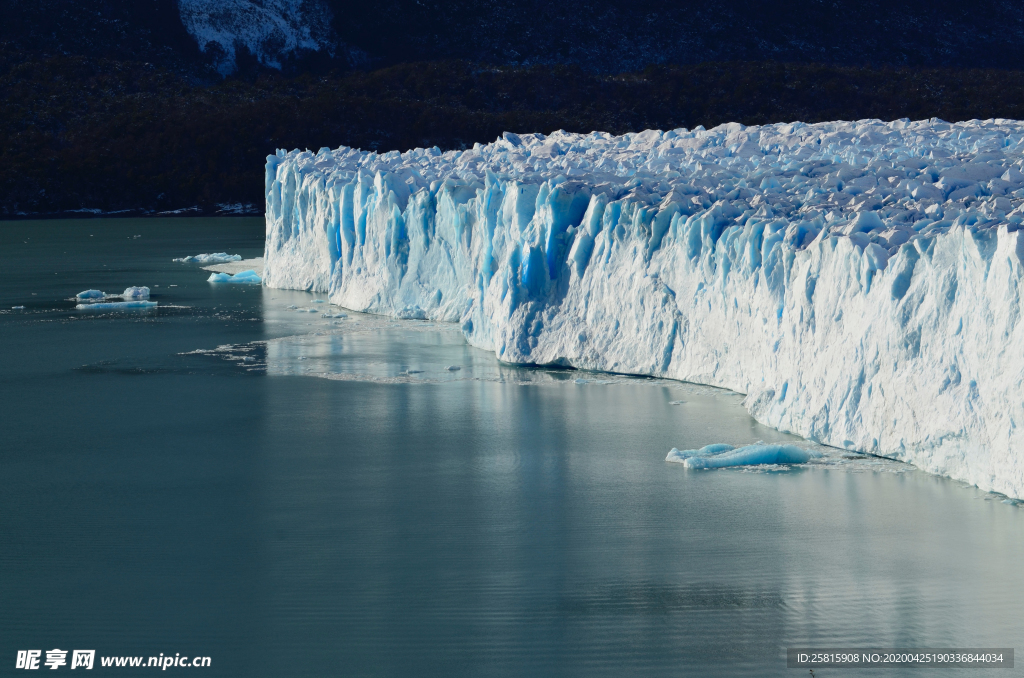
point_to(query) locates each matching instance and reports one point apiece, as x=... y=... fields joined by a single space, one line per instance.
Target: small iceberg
x=215 y=258
x=243 y=277
x=721 y=455
x=130 y=293
x=115 y=305
x=135 y=293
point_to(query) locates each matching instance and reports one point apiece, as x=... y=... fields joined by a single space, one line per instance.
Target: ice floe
x=242 y=277
x=215 y=258
x=721 y=455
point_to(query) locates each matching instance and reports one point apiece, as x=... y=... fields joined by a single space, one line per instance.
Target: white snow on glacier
x=860 y=282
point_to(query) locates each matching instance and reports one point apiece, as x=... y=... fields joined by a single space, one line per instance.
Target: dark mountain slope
x=110 y=135
x=598 y=35
x=614 y=35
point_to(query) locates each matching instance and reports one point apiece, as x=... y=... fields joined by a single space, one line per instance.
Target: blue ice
x=116 y=305
x=721 y=455
x=244 y=277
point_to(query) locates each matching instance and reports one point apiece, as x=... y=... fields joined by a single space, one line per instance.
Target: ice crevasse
x=860 y=282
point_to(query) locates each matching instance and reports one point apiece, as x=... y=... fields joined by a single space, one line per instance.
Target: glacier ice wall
x=860 y=282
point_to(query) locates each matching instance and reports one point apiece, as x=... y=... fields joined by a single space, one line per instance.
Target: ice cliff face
x=860 y=282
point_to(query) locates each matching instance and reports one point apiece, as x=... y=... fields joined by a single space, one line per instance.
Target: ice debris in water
x=721 y=455
x=130 y=293
x=243 y=277
x=135 y=293
x=115 y=305
x=215 y=258
x=861 y=282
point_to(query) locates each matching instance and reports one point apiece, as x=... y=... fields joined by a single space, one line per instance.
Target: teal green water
x=161 y=495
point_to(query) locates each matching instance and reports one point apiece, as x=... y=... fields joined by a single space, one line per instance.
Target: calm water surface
x=178 y=481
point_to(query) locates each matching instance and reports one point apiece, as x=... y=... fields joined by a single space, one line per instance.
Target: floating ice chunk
x=136 y=293
x=215 y=258
x=681 y=456
x=129 y=294
x=115 y=305
x=244 y=277
x=721 y=455
x=91 y=294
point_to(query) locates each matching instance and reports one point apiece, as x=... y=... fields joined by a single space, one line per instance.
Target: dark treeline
x=81 y=132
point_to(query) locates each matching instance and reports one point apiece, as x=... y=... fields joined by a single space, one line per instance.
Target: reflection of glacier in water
x=364 y=347
x=342 y=345
x=432 y=529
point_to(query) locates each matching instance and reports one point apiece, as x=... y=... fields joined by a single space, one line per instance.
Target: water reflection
x=180 y=482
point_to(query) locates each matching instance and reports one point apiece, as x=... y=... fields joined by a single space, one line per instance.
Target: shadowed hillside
x=124 y=135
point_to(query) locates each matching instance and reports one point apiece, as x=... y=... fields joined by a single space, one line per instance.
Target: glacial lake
x=298 y=495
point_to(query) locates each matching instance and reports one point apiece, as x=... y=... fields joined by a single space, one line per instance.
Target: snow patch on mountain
x=269 y=29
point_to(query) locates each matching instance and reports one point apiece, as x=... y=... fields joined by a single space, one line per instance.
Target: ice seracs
x=860 y=281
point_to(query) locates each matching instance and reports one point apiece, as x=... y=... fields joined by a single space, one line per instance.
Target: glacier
x=858 y=281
